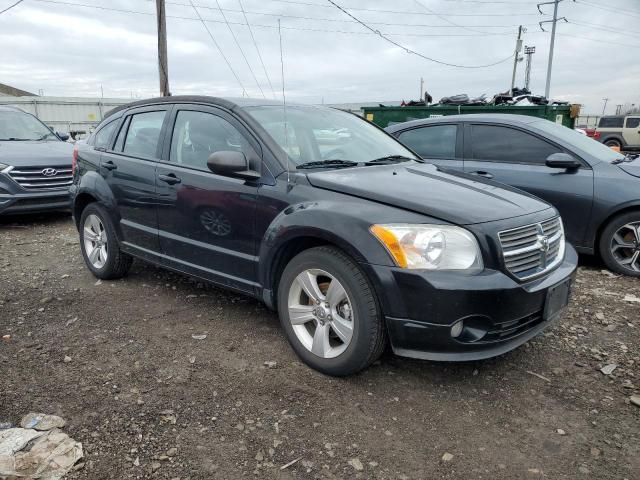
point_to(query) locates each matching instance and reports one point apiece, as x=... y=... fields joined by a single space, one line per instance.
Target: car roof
x=470 y=117
x=228 y=103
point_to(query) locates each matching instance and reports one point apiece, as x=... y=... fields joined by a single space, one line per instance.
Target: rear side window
x=197 y=135
x=143 y=134
x=611 y=122
x=503 y=144
x=103 y=136
x=633 y=122
x=438 y=141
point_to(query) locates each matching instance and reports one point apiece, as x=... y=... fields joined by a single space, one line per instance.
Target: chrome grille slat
x=533 y=250
x=33 y=178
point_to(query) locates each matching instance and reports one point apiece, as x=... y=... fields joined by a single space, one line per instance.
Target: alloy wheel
x=95 y=241
x=625 y=246
x=321 y=313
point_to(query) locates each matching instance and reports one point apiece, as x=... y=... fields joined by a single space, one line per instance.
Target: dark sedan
x=596 y=190
x=35 y=164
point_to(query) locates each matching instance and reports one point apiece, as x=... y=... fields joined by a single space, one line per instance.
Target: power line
x=244 y=91
x=597 y=40
x=595 y=26
x=257 y=49
x=408 y=50
x=11 y=6
x=447 y=20
x=235 y=39
x=621 y=11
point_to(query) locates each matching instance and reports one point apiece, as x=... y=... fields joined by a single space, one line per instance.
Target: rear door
x=516 y=157
x=438 y=144
x=129 y=170
x=631 y=131
x=207 y=221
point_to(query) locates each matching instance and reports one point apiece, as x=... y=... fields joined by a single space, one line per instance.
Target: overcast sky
x=70 y=50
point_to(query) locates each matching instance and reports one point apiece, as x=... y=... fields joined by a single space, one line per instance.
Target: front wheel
x=620 y=244
x=329 y=312
x=613 y=143
x=99 y=244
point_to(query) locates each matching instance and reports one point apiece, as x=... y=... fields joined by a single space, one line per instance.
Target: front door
x=129 y=169
x=206 y=221
x=631 y=131
x=517 y=158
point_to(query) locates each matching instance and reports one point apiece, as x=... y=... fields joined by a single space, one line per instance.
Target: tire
x=615 y=256
x=116 y=264
x=358 y=308
x=613 y=143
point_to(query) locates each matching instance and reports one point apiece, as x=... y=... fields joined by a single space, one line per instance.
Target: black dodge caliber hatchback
x=326 y=218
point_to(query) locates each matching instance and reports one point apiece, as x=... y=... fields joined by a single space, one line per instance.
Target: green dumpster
x=385 y=116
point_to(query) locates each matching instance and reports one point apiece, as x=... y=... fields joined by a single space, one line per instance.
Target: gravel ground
x=119 y=361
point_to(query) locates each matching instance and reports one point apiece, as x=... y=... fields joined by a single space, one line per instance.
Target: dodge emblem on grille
x=543 y=242
x=49 y=172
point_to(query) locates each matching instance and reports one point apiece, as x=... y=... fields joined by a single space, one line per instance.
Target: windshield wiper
x=14 y=139
x=389 y=159
x=629 y=157
x=328 y=164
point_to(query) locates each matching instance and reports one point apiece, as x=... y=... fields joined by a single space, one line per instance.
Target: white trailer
x=76 y=116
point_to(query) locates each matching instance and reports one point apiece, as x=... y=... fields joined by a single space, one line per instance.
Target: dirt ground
x=147 y=400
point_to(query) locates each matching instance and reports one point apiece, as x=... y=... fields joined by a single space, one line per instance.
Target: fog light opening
x=457 y=328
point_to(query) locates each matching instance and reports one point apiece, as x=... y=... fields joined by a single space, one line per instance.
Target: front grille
x=533 y=250
x=42 y=178
x=512 y=328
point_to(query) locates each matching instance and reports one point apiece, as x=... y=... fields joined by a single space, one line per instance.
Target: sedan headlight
x=430 y=247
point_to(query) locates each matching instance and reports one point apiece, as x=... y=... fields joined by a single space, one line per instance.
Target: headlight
x=430 y=247
x=3 y=166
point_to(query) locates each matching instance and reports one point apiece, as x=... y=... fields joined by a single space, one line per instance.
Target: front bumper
x=421 y=307
x=16 y=200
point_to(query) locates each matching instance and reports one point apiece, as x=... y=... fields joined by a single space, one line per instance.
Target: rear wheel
x=620 y=244
x=99 y=244
x=613 y=143
x=329 y=312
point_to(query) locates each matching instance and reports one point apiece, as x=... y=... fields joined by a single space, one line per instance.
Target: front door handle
x=171 y=179
x=481 y=173
x=109 y=165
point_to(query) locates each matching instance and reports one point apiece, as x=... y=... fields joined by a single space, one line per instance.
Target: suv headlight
x=430 y=247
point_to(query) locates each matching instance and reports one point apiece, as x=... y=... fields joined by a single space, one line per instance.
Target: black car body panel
x=240 y=233
x=586 y=197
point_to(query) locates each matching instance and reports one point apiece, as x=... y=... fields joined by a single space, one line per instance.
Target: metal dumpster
x=385 y=116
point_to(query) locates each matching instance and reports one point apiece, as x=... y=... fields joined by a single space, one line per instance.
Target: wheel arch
x=635 y=207
x=613 y=136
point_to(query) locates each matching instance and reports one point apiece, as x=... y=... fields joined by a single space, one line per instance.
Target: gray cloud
x=72 y=50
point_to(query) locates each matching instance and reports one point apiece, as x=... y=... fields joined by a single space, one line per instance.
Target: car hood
x=423 y=188
x=35 y=153
x=632 y=168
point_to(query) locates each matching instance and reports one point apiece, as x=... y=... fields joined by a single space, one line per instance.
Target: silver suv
x=622 y=131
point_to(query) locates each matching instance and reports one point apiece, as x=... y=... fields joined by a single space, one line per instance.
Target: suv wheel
x=99 y=244
x=613 y=143
x=329 y=312
x=620 y=244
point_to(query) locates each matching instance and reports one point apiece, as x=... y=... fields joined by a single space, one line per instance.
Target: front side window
x=317 y=133
x=633 y=122
x=196 y=135
x=143 y=134
x=102 y=137
x=17 y=126
x=503 y=144
x=437 y=141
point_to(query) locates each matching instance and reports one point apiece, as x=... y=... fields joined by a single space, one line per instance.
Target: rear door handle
x=109 y=165
x=171 y=179
x=481 y=173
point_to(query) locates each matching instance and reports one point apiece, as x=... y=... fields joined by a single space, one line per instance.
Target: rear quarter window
x=611 y=122
x=633 y=122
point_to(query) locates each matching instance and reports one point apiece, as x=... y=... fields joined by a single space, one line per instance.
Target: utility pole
x=618 y=109
x=555 y=3
x=516 y=58
x=163 y=68
x=605 y=105
x=528 y=51
x=421 y=88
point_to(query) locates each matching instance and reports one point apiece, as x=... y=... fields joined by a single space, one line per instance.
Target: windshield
x=315 y=134
x=584 y=143
x=22 y=126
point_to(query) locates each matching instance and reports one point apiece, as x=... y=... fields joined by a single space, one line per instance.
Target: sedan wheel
x=95 y=241
x=321 y=313
x=625 y=246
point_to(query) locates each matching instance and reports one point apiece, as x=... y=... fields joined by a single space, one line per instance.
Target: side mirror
x=231 y=164
x=562 y=160
x=62 y=136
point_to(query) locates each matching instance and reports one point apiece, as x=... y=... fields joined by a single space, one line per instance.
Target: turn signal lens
x=390 y=241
